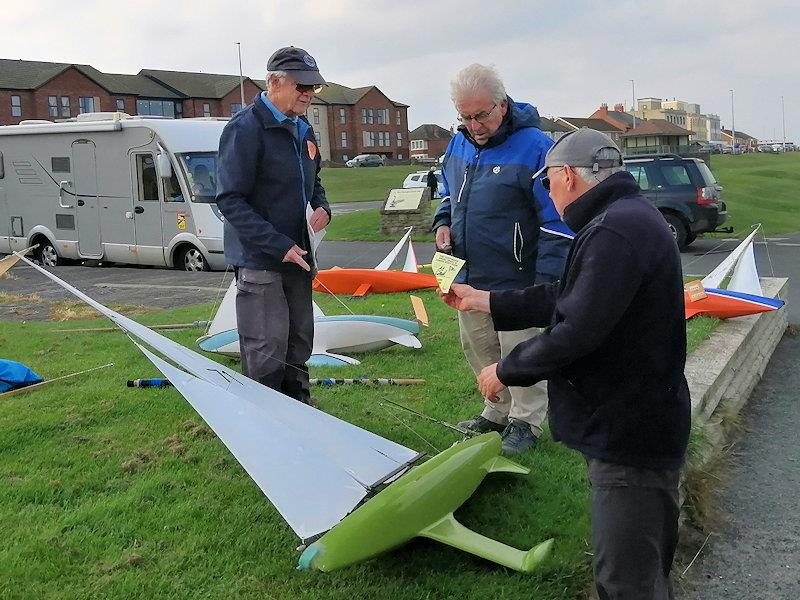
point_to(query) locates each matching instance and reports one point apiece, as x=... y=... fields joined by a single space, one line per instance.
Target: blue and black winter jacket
x=265 y=178
x=502 y=222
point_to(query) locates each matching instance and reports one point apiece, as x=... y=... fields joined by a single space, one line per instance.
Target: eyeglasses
x=303 y=88
x=481 y=117
x=546 y=179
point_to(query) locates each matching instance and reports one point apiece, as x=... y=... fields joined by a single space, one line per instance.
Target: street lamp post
x=241 y=79
x=783 y=119
x=633 y=103
x=733 y=128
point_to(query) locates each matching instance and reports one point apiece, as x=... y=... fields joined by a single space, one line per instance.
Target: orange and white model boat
x=379 y=280
x=743 y=295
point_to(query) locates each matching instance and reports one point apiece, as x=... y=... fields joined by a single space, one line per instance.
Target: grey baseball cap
x=582 y=148
x=298 y=64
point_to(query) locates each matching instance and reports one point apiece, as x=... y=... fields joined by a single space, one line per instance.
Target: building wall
x=318 y=117
x=430 y=148
x=251 y=90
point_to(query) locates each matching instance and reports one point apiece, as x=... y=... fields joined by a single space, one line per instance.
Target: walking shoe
x=518 y=438
x=481 y=424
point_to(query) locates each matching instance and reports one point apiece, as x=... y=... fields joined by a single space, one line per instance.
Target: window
x=59 y=164
x=344 y=139
x=383 y=116
x=400 y=156
x=172 y=189
x=120 y=105
x=52 y=106
x=399 y=138
x=16 y=106
x=386 y=141
x=158 y=108
x=369 y=138
x=146 y=178
x=397 y=117
x=345 y=157
x=86 y=104
x=370 y=118
x=676 y=175
x=206 y=109
x=316 y=116
x=640 y=175
x=364 y=116
x=65 y=112
x=200 y=169
x=2 y=167
x=342 y=116
x=235 y=107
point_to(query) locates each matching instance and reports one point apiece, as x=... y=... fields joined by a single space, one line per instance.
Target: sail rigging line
x=327 y=289
x=712 y=251
x=769 y=259
x=217 y=300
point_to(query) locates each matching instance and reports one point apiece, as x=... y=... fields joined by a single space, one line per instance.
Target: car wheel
x=690 y=237
x=48 y=256
x=678 y=229
x=191 y=259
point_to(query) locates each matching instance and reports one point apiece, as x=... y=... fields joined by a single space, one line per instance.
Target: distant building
x=617 y=117
x=554 y=129
x=656 y=136
x=429 y=141
x=742 y=139
x=704 y=127
x=574 y=123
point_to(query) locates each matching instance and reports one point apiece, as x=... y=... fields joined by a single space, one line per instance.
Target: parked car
x=419 y=179
x=366 y=160
x=684 y=190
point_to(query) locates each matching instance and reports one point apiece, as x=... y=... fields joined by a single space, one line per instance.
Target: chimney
x=604 y=109
x=619 y=107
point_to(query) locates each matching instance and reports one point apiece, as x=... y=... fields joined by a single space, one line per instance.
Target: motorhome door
x=87 y=209
x=147 y=210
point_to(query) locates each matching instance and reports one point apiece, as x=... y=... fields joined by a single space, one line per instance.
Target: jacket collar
x=586 y=207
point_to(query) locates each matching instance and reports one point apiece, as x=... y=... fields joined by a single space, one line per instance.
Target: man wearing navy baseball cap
x=267 y=183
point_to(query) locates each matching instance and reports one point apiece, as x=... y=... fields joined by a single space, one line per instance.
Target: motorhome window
x=86 y=104
x=16 y=106
x=52 y=106
x=60 y=164
x=200 y=170
x=65 y=112
x=172 y=189
x=146 y=178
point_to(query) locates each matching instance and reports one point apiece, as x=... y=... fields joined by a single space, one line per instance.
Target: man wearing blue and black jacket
x=501 y=220
x=267 y=178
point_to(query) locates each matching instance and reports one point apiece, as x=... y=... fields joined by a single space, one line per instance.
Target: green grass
x=364 y=184
x=365 y=226
x=116 y=492
x=760 y=188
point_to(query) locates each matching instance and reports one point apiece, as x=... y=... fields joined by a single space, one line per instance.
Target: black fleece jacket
x=615 y=348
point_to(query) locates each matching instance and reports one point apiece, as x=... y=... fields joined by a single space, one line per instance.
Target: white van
x=111 y=187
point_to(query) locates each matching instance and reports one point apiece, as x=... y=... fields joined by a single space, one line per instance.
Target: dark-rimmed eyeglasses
x=546 y=179
x=303 y=88
x=481 y=117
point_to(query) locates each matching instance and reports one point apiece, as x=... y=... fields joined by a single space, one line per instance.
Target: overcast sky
x=564 y=57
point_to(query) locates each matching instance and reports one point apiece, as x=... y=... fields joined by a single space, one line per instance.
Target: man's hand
x=319 y=219
x=488 y=383
x=465 y=297
x=443 y=243
x=295 y=255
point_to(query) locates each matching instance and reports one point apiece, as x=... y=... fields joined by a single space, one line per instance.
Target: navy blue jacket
x=265 y=179
x=614 y=352
x=495 y=210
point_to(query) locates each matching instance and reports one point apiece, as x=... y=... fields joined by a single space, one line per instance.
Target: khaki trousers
x=484 y=346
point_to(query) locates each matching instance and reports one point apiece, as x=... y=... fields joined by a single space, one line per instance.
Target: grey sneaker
x=481 y=424
x=518 y=438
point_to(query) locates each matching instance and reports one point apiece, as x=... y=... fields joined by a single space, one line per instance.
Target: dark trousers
x=634 y=530
x=276 y=329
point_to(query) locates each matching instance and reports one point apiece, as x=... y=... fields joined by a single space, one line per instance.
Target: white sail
x=363 y=456
x=411 y=260
x=745 y=274
x=715 y=278
x=387 y=262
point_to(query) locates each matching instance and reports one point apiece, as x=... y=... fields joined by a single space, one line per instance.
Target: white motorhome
x=111 y=187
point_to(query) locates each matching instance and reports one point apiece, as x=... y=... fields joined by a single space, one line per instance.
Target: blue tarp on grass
x=15 y=375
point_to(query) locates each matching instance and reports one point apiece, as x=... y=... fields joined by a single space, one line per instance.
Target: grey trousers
x=276 y=329
x=634 y=530
x=484 y=346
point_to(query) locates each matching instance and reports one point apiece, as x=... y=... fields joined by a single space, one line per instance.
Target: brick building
x=617 y=117
x=363 y=121
x=429 y=141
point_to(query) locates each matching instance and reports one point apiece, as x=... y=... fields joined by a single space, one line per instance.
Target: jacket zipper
x=458 y=200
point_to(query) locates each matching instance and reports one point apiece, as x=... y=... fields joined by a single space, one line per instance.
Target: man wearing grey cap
x=613 y=353
x=267 y=178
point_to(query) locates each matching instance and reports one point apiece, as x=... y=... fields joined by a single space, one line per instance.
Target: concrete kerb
x=723 y=371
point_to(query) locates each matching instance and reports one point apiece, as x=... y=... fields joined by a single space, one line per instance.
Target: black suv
x=684 y=190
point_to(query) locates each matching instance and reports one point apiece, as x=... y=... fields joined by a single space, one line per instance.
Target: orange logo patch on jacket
x=312 y=150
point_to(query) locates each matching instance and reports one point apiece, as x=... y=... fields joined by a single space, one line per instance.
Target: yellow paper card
x=445 y=268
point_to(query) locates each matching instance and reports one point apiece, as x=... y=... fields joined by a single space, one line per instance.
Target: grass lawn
x=365 y=226
x=760 y=188
x=364 y=184
x=116 y=492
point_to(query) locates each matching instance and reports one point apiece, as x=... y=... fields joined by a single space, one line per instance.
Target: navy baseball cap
x=298 y=64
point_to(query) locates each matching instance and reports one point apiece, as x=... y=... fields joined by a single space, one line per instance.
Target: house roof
x=624 y=118
x=657 y=127
x=31 y=75
x=597 y=124
x=552 y=126
x=335 y=93
x=430 y=131
x=739 y=134
x=194 y=85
